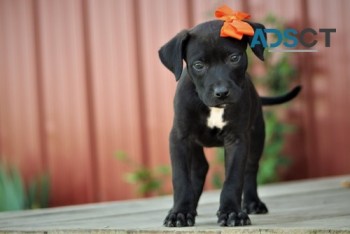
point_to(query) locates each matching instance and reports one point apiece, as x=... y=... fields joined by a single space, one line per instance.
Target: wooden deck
x=309 y=206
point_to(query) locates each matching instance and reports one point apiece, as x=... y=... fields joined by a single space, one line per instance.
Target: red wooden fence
x=81 y=80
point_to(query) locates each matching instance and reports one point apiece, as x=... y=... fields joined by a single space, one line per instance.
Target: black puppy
x=215 y=105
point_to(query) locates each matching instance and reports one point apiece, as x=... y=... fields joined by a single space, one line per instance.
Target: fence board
x=65 y=107
x=332 y=138
x=116 y=93
x=203 y=10
x=19 y=136
x=158 y=83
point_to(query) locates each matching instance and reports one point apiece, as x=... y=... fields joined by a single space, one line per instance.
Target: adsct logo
x=291 y=39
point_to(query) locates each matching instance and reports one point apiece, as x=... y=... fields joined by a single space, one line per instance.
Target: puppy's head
x=216 y=65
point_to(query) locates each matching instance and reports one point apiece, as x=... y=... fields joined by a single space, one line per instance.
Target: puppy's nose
x=221 y=92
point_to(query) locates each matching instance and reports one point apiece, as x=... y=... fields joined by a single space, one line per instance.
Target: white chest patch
x=216 y=118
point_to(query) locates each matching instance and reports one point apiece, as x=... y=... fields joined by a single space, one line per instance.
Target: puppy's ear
x=258 y=49
x=173 y=53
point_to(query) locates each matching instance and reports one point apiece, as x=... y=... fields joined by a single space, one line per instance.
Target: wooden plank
x=303 y=207
x=142 y=205
x=294 y=187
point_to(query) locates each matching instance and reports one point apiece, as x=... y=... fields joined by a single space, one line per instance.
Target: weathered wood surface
x=309 y=206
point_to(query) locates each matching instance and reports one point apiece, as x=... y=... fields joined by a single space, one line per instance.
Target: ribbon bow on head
x=233 y=25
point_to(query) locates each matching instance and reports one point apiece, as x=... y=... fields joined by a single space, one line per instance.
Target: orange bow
x=233 y=25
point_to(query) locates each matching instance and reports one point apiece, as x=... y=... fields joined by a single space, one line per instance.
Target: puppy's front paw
x=179 y=219
x=255 y=207
x=233 y=219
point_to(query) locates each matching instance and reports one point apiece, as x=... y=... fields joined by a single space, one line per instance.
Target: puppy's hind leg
x=251 y=202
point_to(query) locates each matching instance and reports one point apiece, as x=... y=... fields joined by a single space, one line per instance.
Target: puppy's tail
x=268 y=101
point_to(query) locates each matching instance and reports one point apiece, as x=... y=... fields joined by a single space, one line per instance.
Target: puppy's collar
x=234 y=26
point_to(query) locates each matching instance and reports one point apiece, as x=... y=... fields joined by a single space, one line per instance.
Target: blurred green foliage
x=279 y=73
x=14 y=195
x=218 y=164
x=273 y=158
x=148 y=180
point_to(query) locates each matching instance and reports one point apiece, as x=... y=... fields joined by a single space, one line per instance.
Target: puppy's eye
x=198 y=66
x=235 y=58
